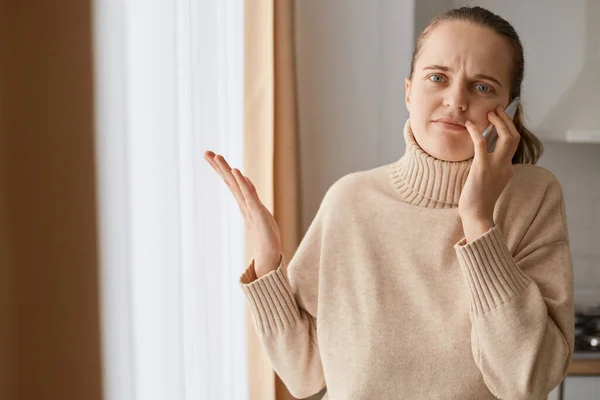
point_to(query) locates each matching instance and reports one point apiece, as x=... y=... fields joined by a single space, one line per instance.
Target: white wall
x=352 y=59
x=426 y=10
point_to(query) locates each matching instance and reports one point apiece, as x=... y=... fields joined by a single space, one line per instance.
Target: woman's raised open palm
x=261 y=227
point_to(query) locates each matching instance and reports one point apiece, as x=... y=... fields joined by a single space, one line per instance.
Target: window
x=168 y=84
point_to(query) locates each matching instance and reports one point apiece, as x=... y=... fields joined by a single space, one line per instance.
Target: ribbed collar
x=426 y=181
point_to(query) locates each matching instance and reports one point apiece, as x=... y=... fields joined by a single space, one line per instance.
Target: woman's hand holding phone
x=489 y=173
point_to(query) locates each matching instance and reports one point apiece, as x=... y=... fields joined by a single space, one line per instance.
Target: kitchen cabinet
x=581 y=383
x=581 y=388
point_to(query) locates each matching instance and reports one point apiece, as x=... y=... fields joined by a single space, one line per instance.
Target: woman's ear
x=407 y=83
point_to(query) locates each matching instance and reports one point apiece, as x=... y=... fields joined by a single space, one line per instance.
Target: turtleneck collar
x=426 y=181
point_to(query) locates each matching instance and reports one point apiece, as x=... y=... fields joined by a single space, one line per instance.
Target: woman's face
x=462 y=73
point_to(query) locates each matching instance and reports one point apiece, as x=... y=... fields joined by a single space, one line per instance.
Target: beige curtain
x=270 y=147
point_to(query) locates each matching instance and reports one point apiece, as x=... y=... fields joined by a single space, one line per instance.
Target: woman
x=445 y=275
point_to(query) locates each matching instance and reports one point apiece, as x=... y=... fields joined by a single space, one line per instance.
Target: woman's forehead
x=462 y=45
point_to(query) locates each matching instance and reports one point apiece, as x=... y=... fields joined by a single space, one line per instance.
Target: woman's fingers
x=478 y=141
x=213 y=164
x=248 y=190
x=220 y=165
x=505 y=147
x=512 y=129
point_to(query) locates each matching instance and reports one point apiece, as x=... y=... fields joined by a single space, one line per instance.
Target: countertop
x=585 y=364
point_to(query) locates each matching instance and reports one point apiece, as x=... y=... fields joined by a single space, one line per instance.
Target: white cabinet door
x=582 y=388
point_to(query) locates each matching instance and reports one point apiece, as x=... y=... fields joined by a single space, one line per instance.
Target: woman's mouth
x=450 y=126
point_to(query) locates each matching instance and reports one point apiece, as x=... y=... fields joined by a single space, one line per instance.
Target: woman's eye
x=483 y=88
x=436 y=78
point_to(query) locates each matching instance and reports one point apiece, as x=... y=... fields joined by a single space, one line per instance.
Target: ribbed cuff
x=490 y=270
x=271 y=300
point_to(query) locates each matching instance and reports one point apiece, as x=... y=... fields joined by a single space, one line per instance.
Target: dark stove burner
x=587 y=330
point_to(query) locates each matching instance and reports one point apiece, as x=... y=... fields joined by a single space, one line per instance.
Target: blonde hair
x=530 y=147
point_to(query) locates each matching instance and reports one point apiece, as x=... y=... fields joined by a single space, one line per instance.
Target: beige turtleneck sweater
x=384 y=299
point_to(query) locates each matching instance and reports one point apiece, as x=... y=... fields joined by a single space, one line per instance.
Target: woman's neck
x=423 y=180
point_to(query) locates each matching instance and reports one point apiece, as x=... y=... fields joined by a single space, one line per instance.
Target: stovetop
x=587 y=332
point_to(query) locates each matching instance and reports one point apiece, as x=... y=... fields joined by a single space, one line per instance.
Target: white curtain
x=168 y=84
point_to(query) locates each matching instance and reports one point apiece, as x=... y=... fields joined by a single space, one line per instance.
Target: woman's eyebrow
x=479 y=76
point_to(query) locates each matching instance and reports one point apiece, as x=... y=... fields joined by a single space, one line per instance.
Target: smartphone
x=490 y=135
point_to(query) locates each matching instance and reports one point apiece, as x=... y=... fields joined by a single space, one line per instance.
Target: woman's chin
x=444 y=145
x=450 y=150
x=453 y=158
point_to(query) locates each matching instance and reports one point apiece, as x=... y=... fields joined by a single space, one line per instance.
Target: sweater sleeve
x=284 y=306
x=521 y=306
x=287 y=331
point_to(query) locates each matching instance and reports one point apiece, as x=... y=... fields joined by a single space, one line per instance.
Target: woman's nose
x=456 y=99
